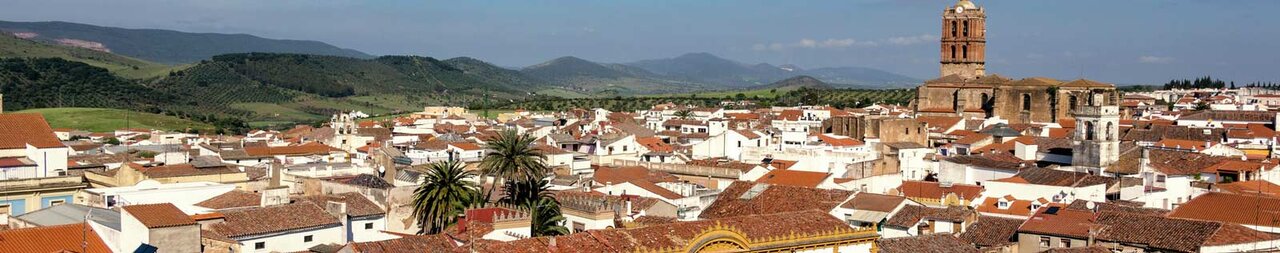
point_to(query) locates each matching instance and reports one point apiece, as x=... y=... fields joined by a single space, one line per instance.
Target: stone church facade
x=964 y=89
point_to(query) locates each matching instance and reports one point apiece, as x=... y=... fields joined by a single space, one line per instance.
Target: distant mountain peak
x=801 y=81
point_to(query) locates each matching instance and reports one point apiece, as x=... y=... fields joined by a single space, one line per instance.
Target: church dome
x=966 y=4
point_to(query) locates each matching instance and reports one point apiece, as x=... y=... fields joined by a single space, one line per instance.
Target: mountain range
x=215 y=77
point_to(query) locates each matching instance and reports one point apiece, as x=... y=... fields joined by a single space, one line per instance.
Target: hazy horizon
x=1123 y=42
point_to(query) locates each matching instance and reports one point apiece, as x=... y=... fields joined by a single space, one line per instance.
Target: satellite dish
x=1090 y=205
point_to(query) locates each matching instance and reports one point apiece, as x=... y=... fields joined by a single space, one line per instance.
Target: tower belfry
x=1097 y=137
x=964 y=40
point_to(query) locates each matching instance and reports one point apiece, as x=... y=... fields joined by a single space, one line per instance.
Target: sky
x=1122 y=42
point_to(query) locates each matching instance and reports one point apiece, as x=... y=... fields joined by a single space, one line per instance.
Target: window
x=953 y=52
x=739 y=144
x=307 y=238
x=1044 y=242
x=1066 y=243
x=1088 y=130
x=964 y=51
x=1026 y=102
x=953 y=30
x=368 y=226
x=966 y=28
x=6 y=209
x=259 y=245
x=57 y=202
x=1003 y=204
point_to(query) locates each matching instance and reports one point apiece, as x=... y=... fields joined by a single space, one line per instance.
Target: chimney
x=337 y=209
x=551 y=241
x=1 y=103
x=276 y=169
x=274 y=196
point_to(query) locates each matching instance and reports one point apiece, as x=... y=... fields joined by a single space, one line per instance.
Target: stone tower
x=964 y=40
x=1097 y=135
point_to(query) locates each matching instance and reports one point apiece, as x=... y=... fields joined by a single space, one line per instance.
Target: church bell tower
x=1097 y=136
x=964 y=40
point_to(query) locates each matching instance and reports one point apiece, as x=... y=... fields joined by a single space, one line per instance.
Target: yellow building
x=19 y=196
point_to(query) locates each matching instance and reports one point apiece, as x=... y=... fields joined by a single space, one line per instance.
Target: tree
x=684 y=114
x=512 y=157
x=534 y=197
x=445 y=193
x=546 y=218
x=112 y=141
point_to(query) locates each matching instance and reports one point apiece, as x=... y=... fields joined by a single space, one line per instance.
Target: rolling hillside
x=51 y=82
x=166 y=46
x=14 y=47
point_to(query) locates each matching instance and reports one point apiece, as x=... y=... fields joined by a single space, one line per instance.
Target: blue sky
x=1131 y=41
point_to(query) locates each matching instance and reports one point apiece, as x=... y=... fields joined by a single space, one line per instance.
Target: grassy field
x=102 y=119
x=762 y=93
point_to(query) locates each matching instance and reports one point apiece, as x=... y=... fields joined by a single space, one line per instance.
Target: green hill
x=170 y=47
x=14 y=47
x=102 y=119
x=52 y=82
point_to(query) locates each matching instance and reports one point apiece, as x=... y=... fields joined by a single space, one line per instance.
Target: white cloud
x=807 y=43
x=912 y=40
x=1155 y=59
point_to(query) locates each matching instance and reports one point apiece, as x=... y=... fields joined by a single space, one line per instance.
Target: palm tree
x=526 y=191
x=444 y=194
x=546 y=217
x=684 y=114
x=512 y=157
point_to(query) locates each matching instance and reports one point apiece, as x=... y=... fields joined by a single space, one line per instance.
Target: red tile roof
x=1262 y=187
x=838 y=141
x=1245 y=209
x=77 y=237
x=676 y=235
x=935 y=190
x=22 y=129
x=273 y=219
x=740 y=199
x=159 y=215
x=1058 y=220
x=793 y=178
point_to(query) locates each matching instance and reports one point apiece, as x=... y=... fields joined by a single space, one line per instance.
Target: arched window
x=1088 y=130
x=1110 y=131
x=1026 y=102
x=966 y=28
x=953 y=52
x=1073 y=102
x=964 y=51
x=953 y=28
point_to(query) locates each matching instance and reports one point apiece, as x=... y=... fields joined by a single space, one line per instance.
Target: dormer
x=1005 y=202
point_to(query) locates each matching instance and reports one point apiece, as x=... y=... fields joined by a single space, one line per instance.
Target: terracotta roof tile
x=1245 y=209
x=874 y=202
x=159 y=215
x=357 y=205
x=912 y=214
x=794 y=178
x=674 y=235
x=21 y=129
x=232 y=199
x=992 y=231
x=60 y=238
x=934 y=243
x=417 y=243
x=274 y=219
x=935 y=190
x=747 y=198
